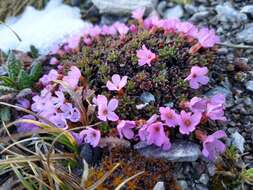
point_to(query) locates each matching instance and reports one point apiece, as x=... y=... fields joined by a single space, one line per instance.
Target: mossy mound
x=164 y=79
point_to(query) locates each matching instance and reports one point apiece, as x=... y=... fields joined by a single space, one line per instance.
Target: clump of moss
x=164 y=79
x=131 y=163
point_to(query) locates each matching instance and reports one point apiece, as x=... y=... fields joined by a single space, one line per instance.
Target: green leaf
x=7 y=81
x=35 y=72
x=34 y=51
x=5 y=114
x=24 y=80
x=14 y=66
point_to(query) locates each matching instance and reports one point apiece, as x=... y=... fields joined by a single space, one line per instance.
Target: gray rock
x=238 y=141
x=182 y=184
x=181 y=151
x=211 y=168
x=147 y=97
x=161 y=7
x=175 y=12
x=123 y=7
x=204 y=179
x=246 y=35
x=201 y=187
x=249 y=85
x=199 y=16
x=248 y=9
x=23 y=93
x=159 y=186
x=226 y=13
x=190 y=8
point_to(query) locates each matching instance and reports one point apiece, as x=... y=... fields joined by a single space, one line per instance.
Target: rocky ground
x=233 y=21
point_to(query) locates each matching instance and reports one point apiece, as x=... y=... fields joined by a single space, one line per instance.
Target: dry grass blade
x=15 y=33
x=85 y=172
x=102 y=179
x=127 y=180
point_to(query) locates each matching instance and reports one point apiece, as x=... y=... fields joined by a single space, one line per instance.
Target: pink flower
x=53 y=61
x=117 y=82
x=133 y=28
x=151 y=22
x=169 y=24
x=59 y=120
x=212 y=146
x=125 y=129
x=207 y=38
x=91 y=136
x=41 y=102
x=87 y=41
x=143 y=130
x=138 y=14
x=215 y=112
x=145 y=56
x=121 y=28
x=187 y=28
x=156 y=135
x=27 y=127
x=105 y=109
x=72 y=42
x=70 y=113
x=109 y=30
x=198 y=77
x=95 y=31
x=213 y=108
x=59 y=100
x=73 y=77
x=169 y=116
x=197 y=104
x=187 y=122
x=51 y=76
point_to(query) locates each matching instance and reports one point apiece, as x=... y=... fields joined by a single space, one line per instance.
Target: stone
x=201 y=187
x=181 y=151
x=159 y=186
x=175 y=12
x=238 y=141
x=211 y=168
x=204 y=179
x=249 y=85
x=91 y=155
x=227 y=13
x=246 y=35
x=123 y=7
x=23 y=93
x=190 y=8
x=147 y=97
x=199 y=16
x=161 y=7
x=182 y=184
x=248 y=9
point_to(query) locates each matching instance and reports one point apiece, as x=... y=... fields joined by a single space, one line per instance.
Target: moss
x=112 y=57
x=167 y=52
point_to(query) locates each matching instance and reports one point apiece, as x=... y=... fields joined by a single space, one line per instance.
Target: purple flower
x=145 y=56
x=24 y=103
x=133 y=28
x=51 y=76
x=125 y=129
x=53 y=61
x=197 y=104
x=143 y=130
x=72 y=43
x=169 y=24
x=138 y=14
x=169 y=116
x=109 y=30
x=187 y=28
x=121 y=28
x=151 y=22
x=70 y=113
x=156 y=135
x=207 y=38
x=42 y=102
x=187 y=122
x=95 y=31
x=59 y=120
x=77 y=137
x=212 y=146
x=27 y=127
x=198 y=77
x=73 y=77
x=117 y=82
x=59 y=100
x=215 y=112
x=91 y=136
x=105 y=109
